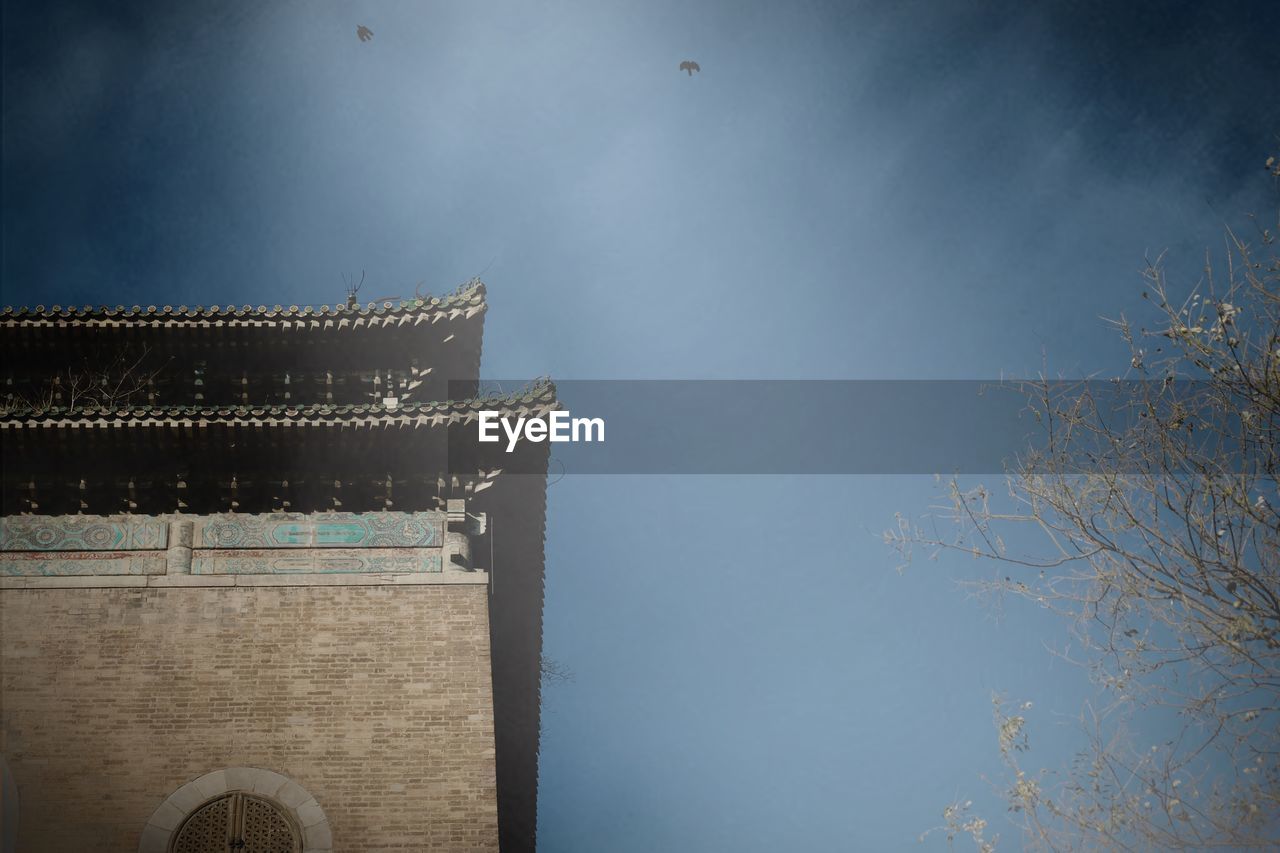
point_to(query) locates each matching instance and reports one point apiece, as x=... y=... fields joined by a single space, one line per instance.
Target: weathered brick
x=377 y=700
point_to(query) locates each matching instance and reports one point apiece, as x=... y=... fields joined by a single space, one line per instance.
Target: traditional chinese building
x=258 y=592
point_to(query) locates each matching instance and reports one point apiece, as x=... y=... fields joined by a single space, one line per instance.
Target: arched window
x=237 y=823
x=238 y=810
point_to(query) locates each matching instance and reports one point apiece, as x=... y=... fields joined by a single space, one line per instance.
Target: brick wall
x=376 y=699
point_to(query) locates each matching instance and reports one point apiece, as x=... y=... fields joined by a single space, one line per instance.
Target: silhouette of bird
x=690 y=66
x=364 y=32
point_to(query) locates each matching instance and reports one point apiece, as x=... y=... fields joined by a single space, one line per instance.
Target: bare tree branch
x=1152 y=511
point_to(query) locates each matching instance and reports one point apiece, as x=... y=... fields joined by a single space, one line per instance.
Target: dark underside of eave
x=172 y=360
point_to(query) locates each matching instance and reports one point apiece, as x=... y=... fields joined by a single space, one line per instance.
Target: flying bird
x=364 y=32
x=690 y=66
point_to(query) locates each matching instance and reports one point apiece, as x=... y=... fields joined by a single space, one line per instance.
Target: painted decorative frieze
x=331 y=561
x=333 y=543
x=83 y=563
x=321 y=530
x=83 y=533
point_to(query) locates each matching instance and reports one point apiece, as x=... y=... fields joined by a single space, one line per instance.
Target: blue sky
x=846 y=191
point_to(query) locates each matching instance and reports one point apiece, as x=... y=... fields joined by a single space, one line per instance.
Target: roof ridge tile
x=470 y=295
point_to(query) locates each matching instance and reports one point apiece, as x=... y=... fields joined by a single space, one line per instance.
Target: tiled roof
x=537 y=399
x=466 y=301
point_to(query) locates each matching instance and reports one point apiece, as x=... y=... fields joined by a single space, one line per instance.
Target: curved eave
x=538 y=401
x=467 y=302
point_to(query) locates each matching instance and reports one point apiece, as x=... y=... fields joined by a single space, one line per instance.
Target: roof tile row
x=539 y=396
x=470 y=296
